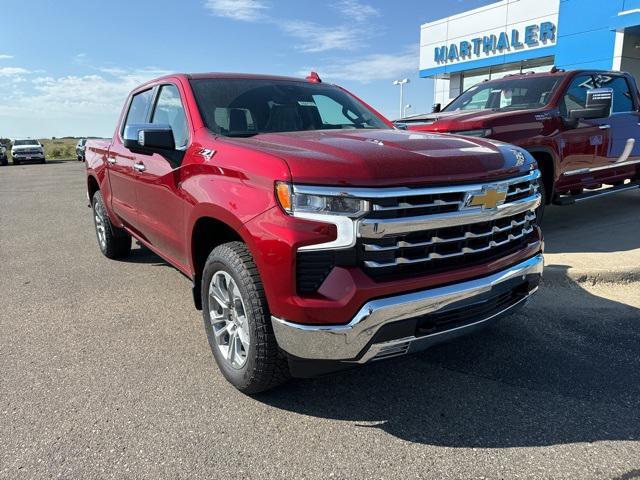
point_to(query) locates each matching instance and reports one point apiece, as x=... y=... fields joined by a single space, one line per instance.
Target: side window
x=169 y=111
x=576 y=95
x=138 y=108
x=622 y=99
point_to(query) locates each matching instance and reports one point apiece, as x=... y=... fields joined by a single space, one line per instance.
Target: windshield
x=246 y=107
x=26 y=142
x=506 y=94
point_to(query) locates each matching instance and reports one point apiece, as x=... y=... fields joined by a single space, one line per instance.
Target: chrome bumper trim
x=377 y=228
x=346 y=342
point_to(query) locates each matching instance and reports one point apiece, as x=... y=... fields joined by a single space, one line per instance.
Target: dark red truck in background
x=580 y=139
x=317 y=235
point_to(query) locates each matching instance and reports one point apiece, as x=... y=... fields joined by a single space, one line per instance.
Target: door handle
x=111 y=160
x=139 y=167
x=604 y=127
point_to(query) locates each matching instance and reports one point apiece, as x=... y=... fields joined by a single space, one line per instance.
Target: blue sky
x=67 y=66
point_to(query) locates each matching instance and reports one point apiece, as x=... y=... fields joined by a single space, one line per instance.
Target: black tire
x=79 y=158
x=116 y=243
x=4 y=162
x=265 y=366
x=16 y=162
x=543 y=204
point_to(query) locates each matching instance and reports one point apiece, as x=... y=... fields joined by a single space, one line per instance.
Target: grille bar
x=435 y=239
x=463 y=251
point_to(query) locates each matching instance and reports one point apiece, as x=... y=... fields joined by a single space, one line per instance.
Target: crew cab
x=27 y=150
x=582 y=127
x=317 y=236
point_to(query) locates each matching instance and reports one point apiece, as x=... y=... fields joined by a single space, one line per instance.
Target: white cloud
x=9 y=71
x=356 y=11
x=317 y=38
x=244 y=10
x=70 y=105
x=5 y=56
x=380 y=66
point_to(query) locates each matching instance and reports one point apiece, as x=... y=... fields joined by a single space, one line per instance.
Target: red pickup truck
x=317 y=235
x=582 y=127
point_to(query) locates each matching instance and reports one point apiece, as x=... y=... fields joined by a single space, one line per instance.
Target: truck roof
x=198 y=76
x=551 y=73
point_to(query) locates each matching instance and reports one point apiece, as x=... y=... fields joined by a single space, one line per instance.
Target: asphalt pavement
x=106 y=371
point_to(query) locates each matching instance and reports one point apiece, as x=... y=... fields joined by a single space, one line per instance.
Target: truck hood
x=388 y=157
x=460 y=120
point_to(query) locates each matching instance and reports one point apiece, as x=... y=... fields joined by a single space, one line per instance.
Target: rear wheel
x=238 y=322
x=113 y=242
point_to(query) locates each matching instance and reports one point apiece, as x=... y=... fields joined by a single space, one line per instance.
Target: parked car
x=27 y=150
x=581 y=126
x=317 y=236
x=4 y=161
x=80 y=148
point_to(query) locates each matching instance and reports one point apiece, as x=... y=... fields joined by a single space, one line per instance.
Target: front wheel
x=543 y=193
x=238 y=323
x=113 y=242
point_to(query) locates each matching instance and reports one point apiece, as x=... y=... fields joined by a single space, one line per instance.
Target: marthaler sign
x=531 y=36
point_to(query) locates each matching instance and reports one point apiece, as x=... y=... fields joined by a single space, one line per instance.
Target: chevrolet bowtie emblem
x=489 y=198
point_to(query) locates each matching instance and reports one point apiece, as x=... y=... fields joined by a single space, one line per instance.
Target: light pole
x=402 y=84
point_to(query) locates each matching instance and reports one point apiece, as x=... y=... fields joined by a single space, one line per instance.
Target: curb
x=560 y=275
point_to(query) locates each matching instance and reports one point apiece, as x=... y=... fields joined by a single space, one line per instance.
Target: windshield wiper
x=241 y=134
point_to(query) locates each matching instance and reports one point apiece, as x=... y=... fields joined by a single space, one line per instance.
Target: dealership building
x=514 y=36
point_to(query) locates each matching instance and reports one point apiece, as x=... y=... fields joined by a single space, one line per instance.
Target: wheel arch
x=92 y=187
x=546 y=158
x=208 y=230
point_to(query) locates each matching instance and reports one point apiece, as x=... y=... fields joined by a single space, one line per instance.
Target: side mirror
x=599 y=103
x=401 y=126
x=149 y=138
x=437 y=108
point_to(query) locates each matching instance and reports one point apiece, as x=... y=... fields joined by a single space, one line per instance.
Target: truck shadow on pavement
x=608 y=224
x=565 y=369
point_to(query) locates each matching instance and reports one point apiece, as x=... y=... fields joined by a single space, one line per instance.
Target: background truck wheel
x=113 y=242
x=238 y=322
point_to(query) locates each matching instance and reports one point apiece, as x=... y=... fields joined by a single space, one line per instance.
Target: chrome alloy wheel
x=100 y=226
x=229 y=319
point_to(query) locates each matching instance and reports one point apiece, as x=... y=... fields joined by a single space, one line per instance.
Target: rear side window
x=169 y=111
x=576 y=95
x=622 y=99
x=138 y=108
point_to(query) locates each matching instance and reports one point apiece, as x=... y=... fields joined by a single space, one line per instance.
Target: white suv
x=27 y=150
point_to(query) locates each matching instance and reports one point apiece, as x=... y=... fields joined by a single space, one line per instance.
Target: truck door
x=120 y=163
x=579 y=142
x=161 y=207
x=622 y=131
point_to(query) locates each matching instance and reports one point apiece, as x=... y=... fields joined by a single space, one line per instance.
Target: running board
x=570 y=200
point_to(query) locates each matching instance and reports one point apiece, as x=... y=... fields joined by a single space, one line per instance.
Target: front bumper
x=28 y=156
x=404 y=323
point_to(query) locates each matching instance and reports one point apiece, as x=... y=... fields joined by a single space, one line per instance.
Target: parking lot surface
x=106 y=371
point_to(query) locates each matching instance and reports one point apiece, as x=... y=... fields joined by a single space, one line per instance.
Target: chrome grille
x=442 y=228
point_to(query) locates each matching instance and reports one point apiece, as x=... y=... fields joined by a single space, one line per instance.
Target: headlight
x=323 y=204
x=318 y=200
x=481 y=132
